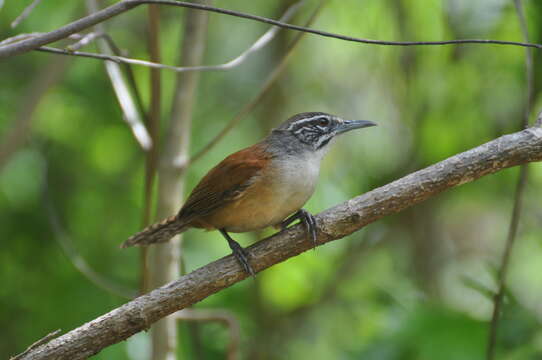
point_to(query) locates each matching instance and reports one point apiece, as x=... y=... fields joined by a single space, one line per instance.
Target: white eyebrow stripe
x=303 y=121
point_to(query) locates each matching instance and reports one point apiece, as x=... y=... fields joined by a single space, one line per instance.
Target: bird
x=266 y=184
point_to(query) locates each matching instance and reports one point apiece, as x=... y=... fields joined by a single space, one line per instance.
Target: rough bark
x=337 y=222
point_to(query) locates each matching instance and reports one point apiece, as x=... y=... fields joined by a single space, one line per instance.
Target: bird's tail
x=156 y=233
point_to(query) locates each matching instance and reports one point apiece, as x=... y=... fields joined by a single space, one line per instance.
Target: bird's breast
x=278 y=191
x=294 y=179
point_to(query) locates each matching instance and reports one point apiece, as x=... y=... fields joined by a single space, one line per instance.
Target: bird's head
x=316 y=130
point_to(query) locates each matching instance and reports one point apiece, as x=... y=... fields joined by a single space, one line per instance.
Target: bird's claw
x=241 y=255
x=310 y=225
x=307 y=219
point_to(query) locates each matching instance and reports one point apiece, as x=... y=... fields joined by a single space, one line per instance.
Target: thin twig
x=153 y=125
x=43 y=340
x=129 y=72
x=20 y=37
x=164 y=260
x=335 y=223
x=17 y=135
x=126 y=101
x=25 y=13
x=67 y=246
x=259 y=44
x=221 y=316
x=23 y=36
x=126 y=5
x=529 y=71
x=518 y=196
x=269 y=82
x=503 y=270
x=85 y=40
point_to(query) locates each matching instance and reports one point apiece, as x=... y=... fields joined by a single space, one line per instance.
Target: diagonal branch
x=69 y=249
x=26 y=12
x=43 y=340
x=120 y=7
x=127 y=103
x=137 y=315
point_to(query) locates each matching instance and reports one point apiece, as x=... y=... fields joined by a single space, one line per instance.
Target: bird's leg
x=307 y=219
x=239 y=253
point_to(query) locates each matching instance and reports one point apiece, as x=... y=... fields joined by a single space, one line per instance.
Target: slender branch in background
x=43 y=340
x=153 y=124
x=529 y=63
x=130 y=77
x=126 y=5
x=67 y=246
x=85 y=40
x=165 y=258
x=268 y=84
x=259 y=44
x=25 y=13
x=128 y=105
x=20 y=37
x=16 y=136
x=334 y=223
x=222 y=316
x=518 y=196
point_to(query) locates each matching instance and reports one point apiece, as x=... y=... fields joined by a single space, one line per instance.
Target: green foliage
x=394 y=291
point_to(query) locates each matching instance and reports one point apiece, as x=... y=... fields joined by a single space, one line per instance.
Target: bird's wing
x=226 y=182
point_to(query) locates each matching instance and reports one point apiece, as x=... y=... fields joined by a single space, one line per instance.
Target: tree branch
x=518 y=196
x=268 y=84
x=509 y=150
x=257 y=45
x=25 y=13
x=120 y=7
x=68 y=248
x=165 y=259
x=152 y=118
x=127 y=103
x=43 y=340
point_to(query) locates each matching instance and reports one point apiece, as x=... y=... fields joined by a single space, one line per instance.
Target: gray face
x=316 y=129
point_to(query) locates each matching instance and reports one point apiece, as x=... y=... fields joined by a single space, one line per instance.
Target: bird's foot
x=240 y=254
x=307 y=219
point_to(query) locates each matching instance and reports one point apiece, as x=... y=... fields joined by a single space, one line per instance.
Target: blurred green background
x=411 y=286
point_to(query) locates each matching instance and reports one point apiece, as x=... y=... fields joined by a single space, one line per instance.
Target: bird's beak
x=348 y=125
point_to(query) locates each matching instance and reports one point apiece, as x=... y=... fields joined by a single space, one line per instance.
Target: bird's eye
x=323 y=121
